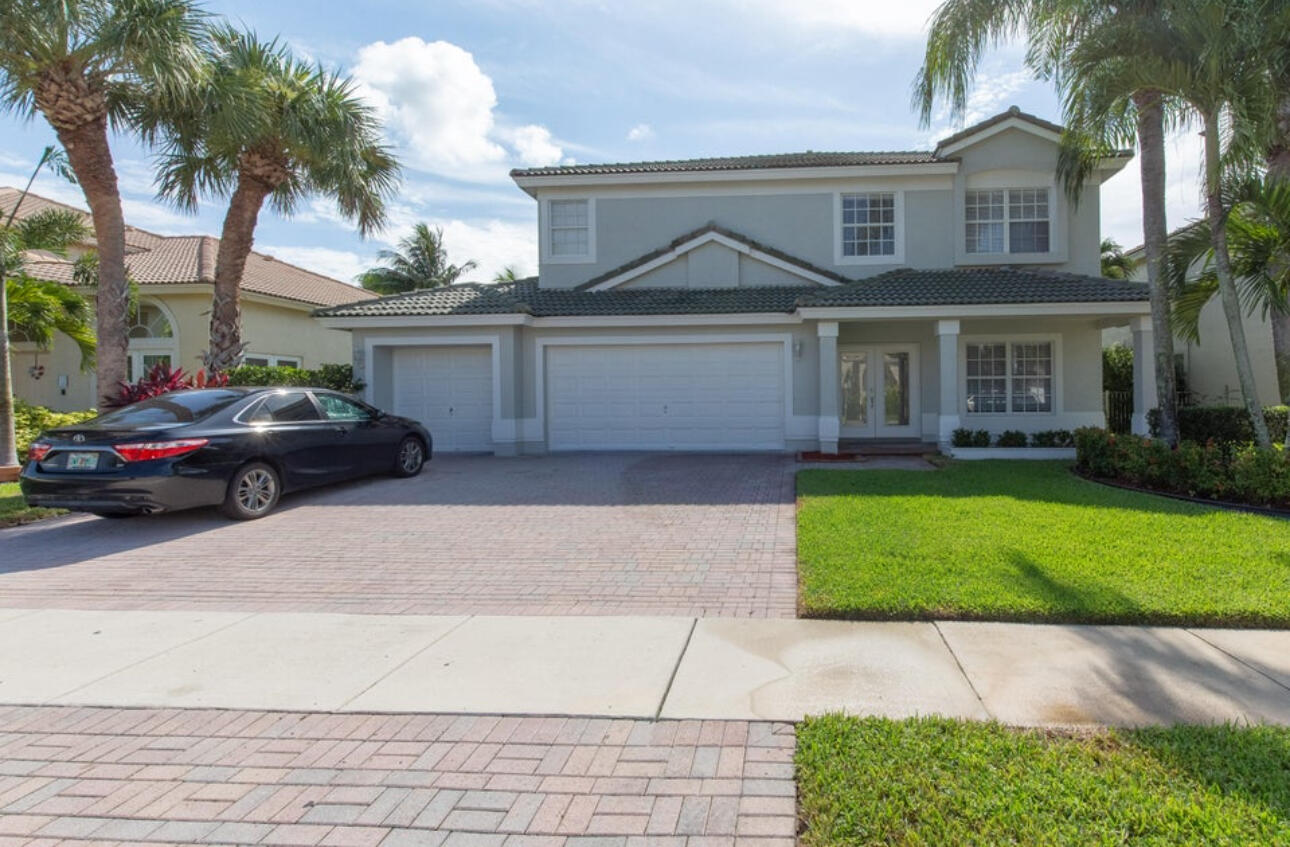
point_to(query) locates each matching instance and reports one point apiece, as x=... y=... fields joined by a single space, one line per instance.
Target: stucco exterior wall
x=520 y=427
x=269 y=328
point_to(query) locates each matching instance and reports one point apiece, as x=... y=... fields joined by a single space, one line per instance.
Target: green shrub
x=1011 y=438
x=970 y=438
x=1053 y=438
x=1242 y=474
x=30 y=421
x=1222 y=424
x=334 y=376
x=1117 y=368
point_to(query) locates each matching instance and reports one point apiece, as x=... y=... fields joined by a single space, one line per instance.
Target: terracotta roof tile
x=188 y=259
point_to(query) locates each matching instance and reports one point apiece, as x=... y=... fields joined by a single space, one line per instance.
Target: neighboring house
x=1208 y=365
x=771 y=303
x=174 y=278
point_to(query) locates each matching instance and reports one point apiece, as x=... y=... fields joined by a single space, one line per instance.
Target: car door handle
x=341 y=430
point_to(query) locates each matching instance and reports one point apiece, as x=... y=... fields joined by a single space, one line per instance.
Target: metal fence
x=1119 y=410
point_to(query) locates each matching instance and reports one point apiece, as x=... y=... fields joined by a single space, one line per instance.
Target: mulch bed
x=1203 y=501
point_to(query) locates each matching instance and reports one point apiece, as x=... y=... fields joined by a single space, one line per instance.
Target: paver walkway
x=589 y=534
x=227 y=777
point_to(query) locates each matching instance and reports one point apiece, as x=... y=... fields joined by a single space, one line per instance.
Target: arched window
x=152 y=339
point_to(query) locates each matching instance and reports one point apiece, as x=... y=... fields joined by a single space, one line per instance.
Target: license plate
x=82 y=461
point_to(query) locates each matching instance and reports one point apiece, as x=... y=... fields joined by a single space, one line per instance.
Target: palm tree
x=419 y=262
x=32 y=308
x=1115 y=265
x=81 y=63
x=510 y=273
x=1258 y=237
x=960 y=34
x=266 y=127
x=1204 y=57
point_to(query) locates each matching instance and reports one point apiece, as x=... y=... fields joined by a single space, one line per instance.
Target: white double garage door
x=691 y=396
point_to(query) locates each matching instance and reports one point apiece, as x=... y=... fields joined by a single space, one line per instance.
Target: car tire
x=410 y=458
x=253 y=492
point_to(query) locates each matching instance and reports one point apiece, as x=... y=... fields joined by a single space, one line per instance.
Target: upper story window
x=569 y=229
x=869 y=224
x=1007 y=220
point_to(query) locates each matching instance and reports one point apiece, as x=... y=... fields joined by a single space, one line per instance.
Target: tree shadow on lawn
x=1023 y=480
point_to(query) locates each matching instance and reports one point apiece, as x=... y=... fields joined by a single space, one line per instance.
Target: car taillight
x=147 y=450
x=38 y=450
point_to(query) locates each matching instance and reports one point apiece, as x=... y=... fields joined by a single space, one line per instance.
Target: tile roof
x=976 y=286
x=710 y=226
x=905 y=287
x=807 y=159
x=135 y=239
x=190 y=259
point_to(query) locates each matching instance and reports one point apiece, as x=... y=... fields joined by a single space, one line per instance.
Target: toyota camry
x=238 y=448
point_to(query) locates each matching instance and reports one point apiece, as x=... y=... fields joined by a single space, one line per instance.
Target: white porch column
x=947 y=338
x=1144 y=374
x=829 y=385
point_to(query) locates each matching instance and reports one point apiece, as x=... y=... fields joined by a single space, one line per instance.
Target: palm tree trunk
x=1226 y=283
x=1279 y=169
x=8 y=441
x=235 y=243
x=91 y=160
x=1155 y=237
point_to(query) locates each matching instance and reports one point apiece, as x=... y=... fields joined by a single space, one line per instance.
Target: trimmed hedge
x=1053 y=438
x=970 y=438
x=30 y=421
x=1234 y=473
x=1011 y=438
x=335 y=377
x=1222 y=424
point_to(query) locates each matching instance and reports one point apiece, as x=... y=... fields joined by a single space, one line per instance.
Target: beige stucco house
x=800 y=301
x=174 y=275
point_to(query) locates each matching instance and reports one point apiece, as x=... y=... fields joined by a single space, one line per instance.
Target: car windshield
x=173 y=408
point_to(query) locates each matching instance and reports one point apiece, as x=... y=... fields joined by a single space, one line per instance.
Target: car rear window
x=284 y=407
x=177 y=407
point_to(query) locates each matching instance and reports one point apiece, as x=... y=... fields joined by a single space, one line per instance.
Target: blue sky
x=470 y=89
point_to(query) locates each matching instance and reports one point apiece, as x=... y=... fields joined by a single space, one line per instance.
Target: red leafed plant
x=162 y=380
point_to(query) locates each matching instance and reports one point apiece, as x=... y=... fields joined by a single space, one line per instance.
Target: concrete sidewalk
x=643 y=667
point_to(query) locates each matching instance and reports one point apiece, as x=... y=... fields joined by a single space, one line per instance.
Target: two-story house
x=772 y=303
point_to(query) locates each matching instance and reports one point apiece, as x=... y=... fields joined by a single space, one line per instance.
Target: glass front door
x=879 y=391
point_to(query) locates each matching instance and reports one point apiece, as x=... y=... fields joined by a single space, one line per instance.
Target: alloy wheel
x=411 y=456
x=255 y=490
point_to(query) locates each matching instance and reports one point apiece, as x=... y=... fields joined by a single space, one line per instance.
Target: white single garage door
x=666 y=397
x=450 y=390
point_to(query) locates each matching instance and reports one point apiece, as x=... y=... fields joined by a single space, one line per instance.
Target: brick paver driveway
x=572 y=534
x=77 y=776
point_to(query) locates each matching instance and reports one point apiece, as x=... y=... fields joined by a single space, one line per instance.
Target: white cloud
x=435 y=97
x=343 y=265
x=640 y=132
x=493 y=244
x=534 y=146
x=440 y=106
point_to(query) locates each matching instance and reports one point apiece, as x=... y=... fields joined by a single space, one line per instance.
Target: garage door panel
x=450 y=390
x=666 y=396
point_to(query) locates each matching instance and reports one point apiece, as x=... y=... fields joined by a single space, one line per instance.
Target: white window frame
x=274 y=359
x=898 y=204
x=1007 y=220
x=1012 y=180
x=1010 y=342
x=137 y=348
x=545 y=254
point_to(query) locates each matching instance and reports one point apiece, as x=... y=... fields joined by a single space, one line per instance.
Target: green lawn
x=1029 y=541
x=14 y=511
x=935 y=781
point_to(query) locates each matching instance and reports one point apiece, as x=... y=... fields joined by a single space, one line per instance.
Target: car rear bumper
x=158 y=490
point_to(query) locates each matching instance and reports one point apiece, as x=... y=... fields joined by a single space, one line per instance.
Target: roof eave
x=532 y=182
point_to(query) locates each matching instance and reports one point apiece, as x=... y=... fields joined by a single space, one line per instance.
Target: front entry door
x=879 y=392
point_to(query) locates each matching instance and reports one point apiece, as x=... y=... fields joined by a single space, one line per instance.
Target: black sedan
x=241 y=448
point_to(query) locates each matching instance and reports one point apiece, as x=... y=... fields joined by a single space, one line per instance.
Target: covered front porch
x=889 y=382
